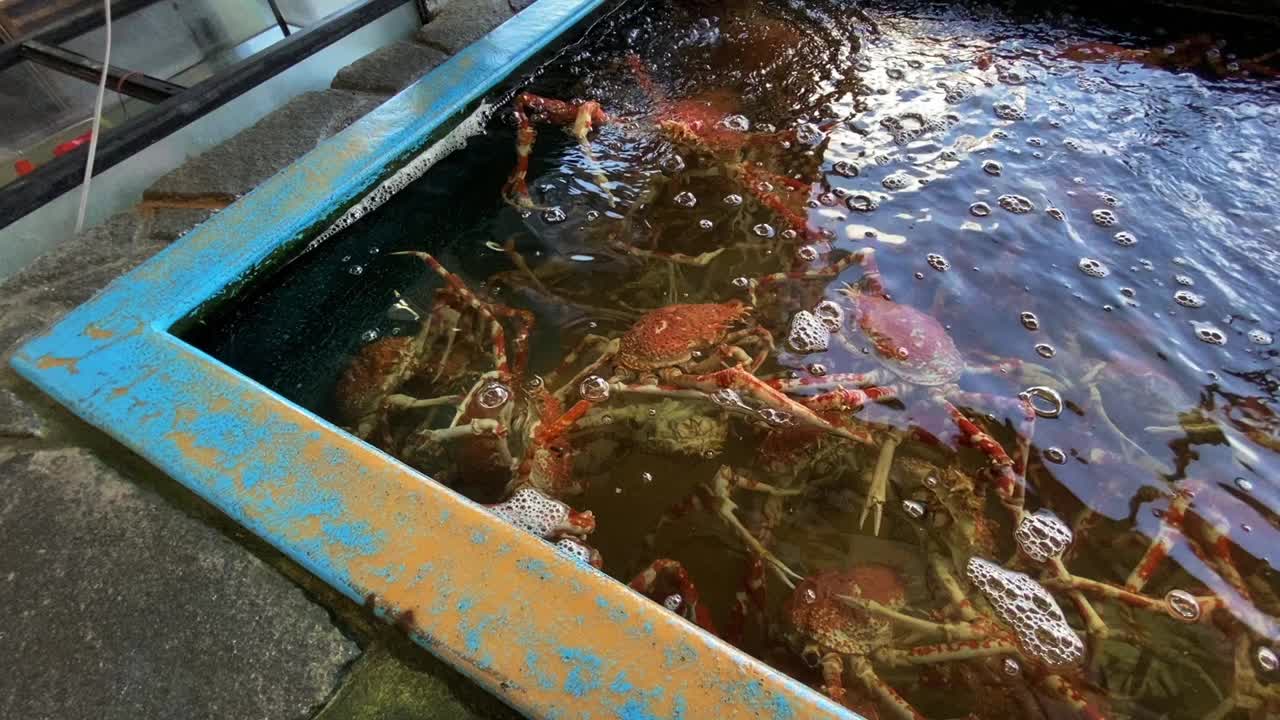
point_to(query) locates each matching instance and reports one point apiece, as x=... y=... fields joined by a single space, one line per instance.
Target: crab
x=385 y=376
x=918 y=356
x=666 y=581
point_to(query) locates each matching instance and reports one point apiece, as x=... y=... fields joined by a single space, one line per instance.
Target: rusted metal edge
x=553 y=638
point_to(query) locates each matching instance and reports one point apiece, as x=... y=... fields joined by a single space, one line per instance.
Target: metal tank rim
x=551 y=637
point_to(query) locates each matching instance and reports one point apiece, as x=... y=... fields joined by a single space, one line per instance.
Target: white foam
x=1042 y=536
x=1031 y=611
x=533 y=512
x=454 y=140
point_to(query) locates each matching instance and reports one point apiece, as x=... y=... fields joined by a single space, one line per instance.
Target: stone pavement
x=123 y=594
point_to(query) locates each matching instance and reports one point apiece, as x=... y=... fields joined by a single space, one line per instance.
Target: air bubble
x=913 y=509
x=979 y=209
x=356 y=270
x=1042 y=536
x=1010 y=667
x=809 y=134
x=1182 y=605
x=1016 y=204
x=808 y=333
x=1045 y=350
x=706 y=224
x=1244 y=484
x=727 y=397
x=1030 y=610
x=817 y=369
x=808 y=596
x=1034 y=141
x=733 y=199
x=1093 y=268
x=1260 y=337
x=861 y=202
x=1209 y=334
x=532 y=383
x=830 y=314
x=673 y=164
x=646 y=477
x=1186 y=298
x=844 y=168
x=1055 y=455
x=741 y=282
x=1184 y=280
x=777 y=418
x=1005 y=111
x=807 y=253
x=554 y=215
x=764 y=230
x=369 y=335
x=992 y=167
x=1103 y=217
x=937 y=262
x=493 y=396
x=1029 y=320
x=737 y=123
x=1056 y=214
x=685 y=199
x=896 y=181
x=1267 y=659
x=673 y=602
x=1125 y=238
x=594 y=388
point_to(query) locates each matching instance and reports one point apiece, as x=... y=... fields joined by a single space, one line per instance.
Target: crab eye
x=811 y=657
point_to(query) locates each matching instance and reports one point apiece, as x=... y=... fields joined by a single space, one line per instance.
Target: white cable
x=97 y=121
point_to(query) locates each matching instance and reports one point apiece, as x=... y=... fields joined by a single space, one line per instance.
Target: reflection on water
x=925 y=354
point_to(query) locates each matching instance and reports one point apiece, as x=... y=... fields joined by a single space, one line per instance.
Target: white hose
x=97 y=121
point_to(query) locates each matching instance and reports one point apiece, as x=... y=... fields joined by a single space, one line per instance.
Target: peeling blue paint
x=584 y=671
x=533 y=665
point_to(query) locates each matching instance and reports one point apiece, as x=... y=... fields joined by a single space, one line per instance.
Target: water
x=1072 y=217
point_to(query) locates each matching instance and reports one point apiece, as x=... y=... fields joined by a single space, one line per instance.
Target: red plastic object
x=24 y=167
x=72 y=144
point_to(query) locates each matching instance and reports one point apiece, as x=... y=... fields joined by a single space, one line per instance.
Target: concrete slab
x=460 y=23
x=389 y=70
x=17 y=418
x=240 y=164
x=404 y=683
x=118 y=605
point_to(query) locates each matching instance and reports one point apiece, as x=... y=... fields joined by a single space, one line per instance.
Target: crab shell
x=700 y=121
x=668 y=336
x=910 y=343
x=817 y=614
x=372 y=374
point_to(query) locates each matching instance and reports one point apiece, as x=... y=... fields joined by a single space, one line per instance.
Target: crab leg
x=833 y=270
x=721 y=489
x=948 y=652
x=740 y=380
x=886 y=695
x=1158 y=550
x=879 y=488
x=1009 y=482
x=684 y=601
x=530 y=108
x=496 y=334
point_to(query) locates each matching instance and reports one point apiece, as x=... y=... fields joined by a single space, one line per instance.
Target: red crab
x=666 y=581
x=917 y=355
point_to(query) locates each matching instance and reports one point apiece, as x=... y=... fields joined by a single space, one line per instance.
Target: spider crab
x=918 y=357
x=706 y=125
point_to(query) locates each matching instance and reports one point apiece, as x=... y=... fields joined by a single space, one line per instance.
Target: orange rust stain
x=219 y=404
x=49 y=362
x=203 y=456
x=184 y=415
x=96 y=332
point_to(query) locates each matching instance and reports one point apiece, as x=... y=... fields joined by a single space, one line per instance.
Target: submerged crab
x=918 y=357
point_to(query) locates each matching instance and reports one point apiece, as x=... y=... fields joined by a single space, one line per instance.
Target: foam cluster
x=1031 y=611
x=533 y=512
x=1042 y=536
x=808 y=333
x=575 y=550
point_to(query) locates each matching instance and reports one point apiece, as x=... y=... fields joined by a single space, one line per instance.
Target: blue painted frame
x=551 y=637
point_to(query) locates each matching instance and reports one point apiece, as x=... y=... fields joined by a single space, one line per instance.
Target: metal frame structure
x=552 y=637
x=179 y=108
